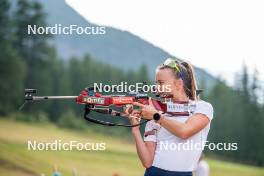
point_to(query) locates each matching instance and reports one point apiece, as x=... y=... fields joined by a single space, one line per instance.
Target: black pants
x=154 y=171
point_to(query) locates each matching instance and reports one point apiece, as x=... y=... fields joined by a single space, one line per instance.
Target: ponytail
x=190 y=86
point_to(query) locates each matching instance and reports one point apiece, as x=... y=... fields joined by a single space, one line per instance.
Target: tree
x=12 y=69
x=4 y=20
x=238 y=118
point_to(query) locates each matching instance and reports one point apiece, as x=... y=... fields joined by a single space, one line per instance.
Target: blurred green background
x=64 y=65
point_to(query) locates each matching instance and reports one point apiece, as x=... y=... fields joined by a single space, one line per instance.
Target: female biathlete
x=164 y=150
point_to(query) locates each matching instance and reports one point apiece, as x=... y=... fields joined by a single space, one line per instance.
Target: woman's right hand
x=134 y=117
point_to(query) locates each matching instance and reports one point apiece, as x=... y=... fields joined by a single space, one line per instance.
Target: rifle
x=103 y=104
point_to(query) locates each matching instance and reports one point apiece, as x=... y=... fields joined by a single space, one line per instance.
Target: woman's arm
x=145 y=150
x=185 y=130
x=182 y=130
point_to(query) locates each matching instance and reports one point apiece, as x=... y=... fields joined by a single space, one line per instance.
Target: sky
x=218 y=36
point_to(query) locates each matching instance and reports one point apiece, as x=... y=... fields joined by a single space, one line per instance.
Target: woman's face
x=167 y=84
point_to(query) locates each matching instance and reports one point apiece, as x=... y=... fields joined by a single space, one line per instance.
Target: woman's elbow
x=184 y=134
x=147 y=164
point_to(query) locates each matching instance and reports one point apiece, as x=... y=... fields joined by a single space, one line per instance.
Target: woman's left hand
x=147 y=111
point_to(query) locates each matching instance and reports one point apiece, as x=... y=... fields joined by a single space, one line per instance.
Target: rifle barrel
x=36 y=98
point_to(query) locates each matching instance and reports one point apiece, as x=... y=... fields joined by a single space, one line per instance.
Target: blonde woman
x=163 y=132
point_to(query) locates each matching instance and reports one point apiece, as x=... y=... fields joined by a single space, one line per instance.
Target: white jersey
x=173 y=153
x=202 y=169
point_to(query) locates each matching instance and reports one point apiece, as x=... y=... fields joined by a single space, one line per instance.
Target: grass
x=119 y=157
